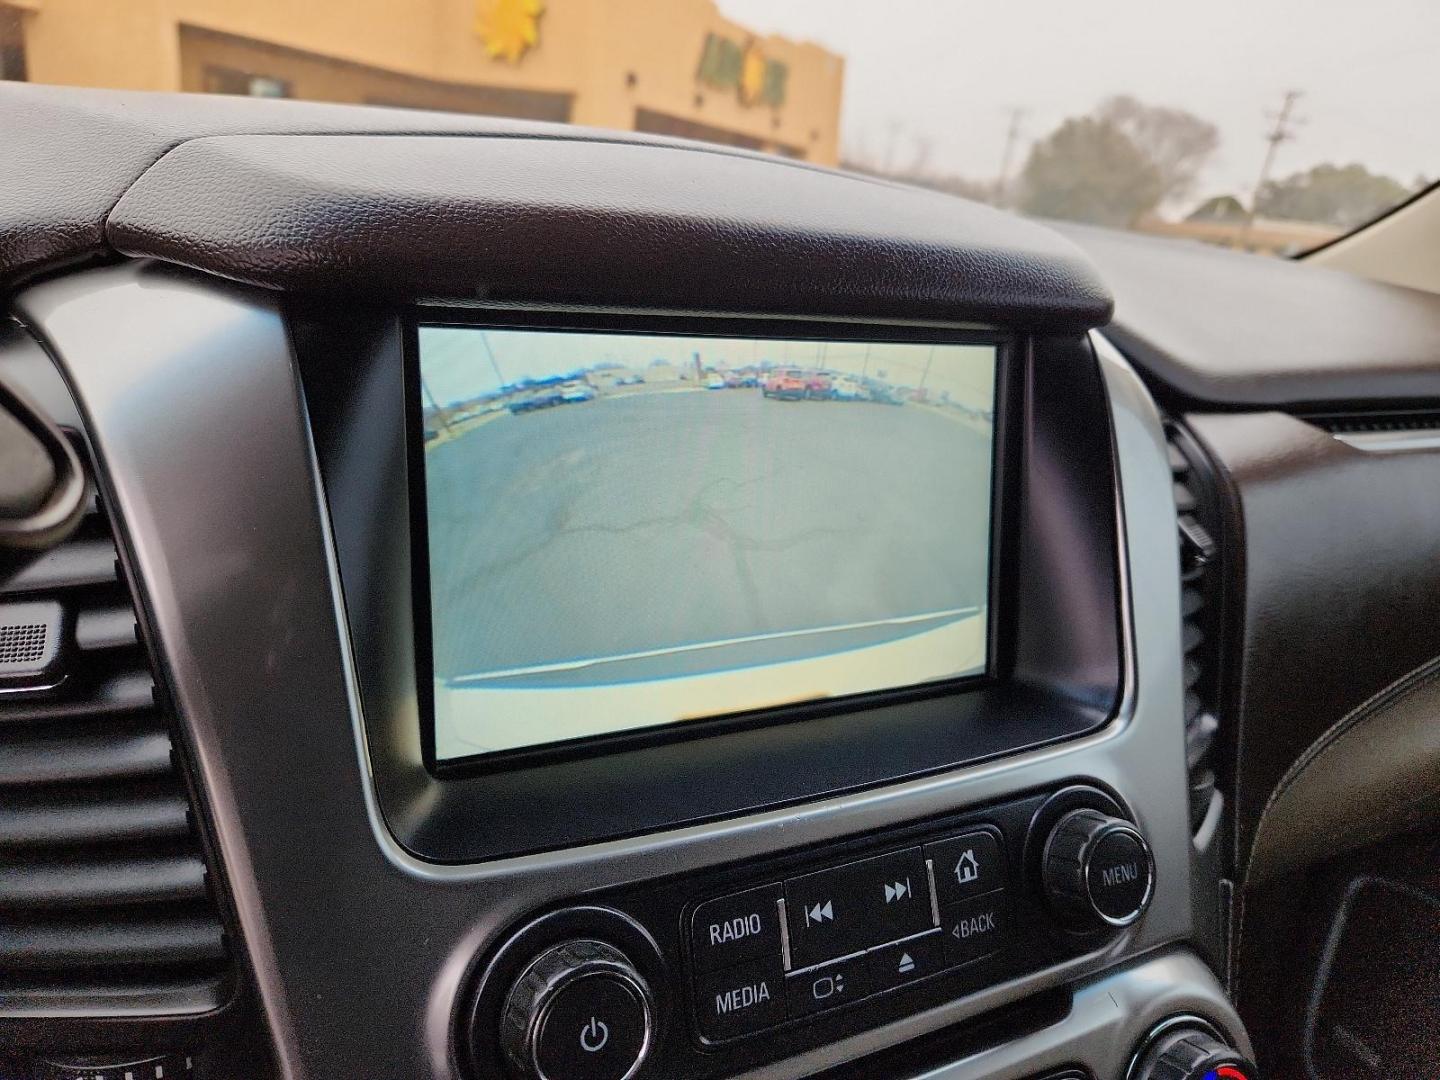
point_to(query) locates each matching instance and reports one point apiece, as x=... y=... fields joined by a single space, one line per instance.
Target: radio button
x=740 y=1000
x=733 y=929
x=905 y=961
x=858 y=905
x=827 y=987
x=974 y=928
x=966 y=865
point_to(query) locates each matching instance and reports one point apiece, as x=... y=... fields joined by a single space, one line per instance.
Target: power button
x=594 y=1029
x=580 y=1011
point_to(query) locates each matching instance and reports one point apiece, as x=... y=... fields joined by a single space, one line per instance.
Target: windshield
x=1266 y=125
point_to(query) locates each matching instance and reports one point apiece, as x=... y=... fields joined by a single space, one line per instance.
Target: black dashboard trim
x=1058 y=674
x=1219 y=329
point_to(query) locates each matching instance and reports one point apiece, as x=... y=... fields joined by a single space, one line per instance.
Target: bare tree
x=1176 y=143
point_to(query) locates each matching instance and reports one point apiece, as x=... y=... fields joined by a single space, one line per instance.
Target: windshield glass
x=1267 y=125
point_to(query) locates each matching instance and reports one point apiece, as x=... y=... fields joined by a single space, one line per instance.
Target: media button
x=967 y=865
x=740 y=1000
x=733 y=929
x=829 y=986
x=905 y=961
x=974 y=928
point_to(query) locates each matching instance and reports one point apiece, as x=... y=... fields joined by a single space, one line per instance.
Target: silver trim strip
x=1380 y=442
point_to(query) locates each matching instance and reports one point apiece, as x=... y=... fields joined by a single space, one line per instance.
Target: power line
x=1284 y=131
x=1012 y=137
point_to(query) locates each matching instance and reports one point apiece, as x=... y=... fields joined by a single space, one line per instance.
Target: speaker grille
x=23 y=644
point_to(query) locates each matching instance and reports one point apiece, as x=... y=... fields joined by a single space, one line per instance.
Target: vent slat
x=1198 y=552
x=127 y=692
x=1340 y=423
x=1179 y=466
x=1191 y=601
x=80 y=562
x=106 y=628
x=49 y=947
x=1200 y=735
x=1191 y=672
x=98 y=881
x=62 y=822
x=1184 y=498
x=82 y=759
x=1191 y=707
x=1191 y=638
x=105 y=901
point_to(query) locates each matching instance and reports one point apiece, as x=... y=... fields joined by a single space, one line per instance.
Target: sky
x=456 y=362
x=939 y=77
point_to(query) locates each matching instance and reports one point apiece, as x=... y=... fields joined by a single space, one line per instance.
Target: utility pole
x=1012 y=137
x=485 y=340
x=1283 y=131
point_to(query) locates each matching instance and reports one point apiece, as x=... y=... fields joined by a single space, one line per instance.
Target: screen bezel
x=1004 y=458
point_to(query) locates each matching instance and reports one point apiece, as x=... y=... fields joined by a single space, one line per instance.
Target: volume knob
x=579 y=1011
x=1097 y=871
x=1190 y=1053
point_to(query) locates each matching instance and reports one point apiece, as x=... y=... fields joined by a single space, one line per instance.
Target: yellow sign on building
x=509 y=28
x=671 y=67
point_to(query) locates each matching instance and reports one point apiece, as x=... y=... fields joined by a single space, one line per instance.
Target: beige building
x=675 y=67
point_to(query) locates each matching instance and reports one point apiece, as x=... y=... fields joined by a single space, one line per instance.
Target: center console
x=794 y=953
x=983 y=872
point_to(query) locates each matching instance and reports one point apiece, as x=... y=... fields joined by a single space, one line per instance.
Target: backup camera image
x=627 y=530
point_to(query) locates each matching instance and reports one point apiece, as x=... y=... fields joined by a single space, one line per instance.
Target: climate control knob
x=579 y=1011
x=1097 y=871
x=1190 y=1053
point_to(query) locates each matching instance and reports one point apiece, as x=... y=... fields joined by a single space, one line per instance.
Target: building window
x=223 y=80
x=12 y=45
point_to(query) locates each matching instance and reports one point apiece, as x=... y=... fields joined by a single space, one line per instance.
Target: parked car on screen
x=819 y=386
x=885 y=395
x=715 y=382
x=849 y=388
x=535 y=400
x=787 y=384
x=576 y=391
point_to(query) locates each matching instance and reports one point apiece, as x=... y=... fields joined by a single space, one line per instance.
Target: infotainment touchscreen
x=628 y=531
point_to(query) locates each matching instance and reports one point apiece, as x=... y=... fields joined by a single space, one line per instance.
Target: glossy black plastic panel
x=1057 y=630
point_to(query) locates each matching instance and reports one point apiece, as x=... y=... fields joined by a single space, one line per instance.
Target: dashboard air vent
x=1199 y=629
x=105 y=902
x=1383 y=431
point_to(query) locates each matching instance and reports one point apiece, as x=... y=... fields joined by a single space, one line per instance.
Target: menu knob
x=1098 y=871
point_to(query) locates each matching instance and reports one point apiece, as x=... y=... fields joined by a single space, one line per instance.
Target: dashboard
x=499 y=600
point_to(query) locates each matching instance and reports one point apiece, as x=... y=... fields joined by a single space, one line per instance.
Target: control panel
x=790 y=949
x=706 y=975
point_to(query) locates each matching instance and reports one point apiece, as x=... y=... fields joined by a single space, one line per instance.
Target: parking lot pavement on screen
x=642 y=522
